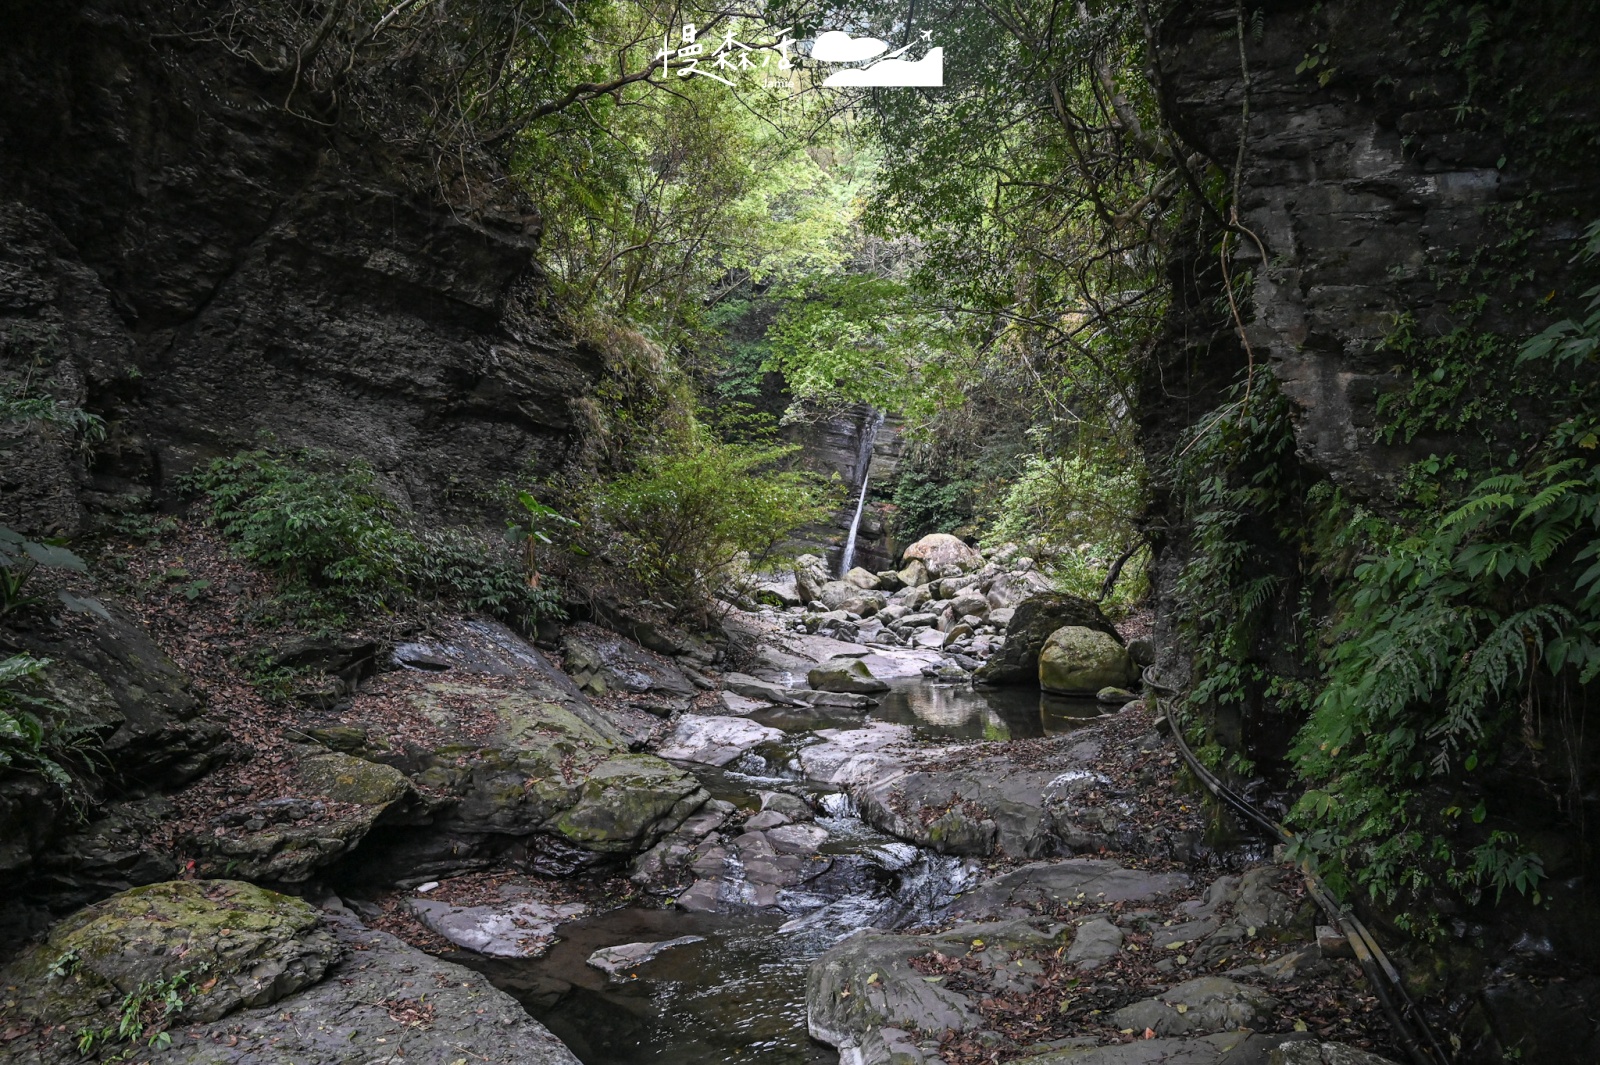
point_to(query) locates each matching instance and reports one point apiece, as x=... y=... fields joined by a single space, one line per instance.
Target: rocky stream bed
x=816 y=841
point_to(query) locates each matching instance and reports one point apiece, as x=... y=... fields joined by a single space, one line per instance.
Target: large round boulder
x=1078 y=659
x=944 y=555
x=1031 y=623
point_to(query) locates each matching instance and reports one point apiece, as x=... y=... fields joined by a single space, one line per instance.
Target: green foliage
x=21 y=558
x=144 y=1014
x=1240 y=482
x=1089 y=505
x=1449 y=636
x=342 y=548
x=688 y=520
x=927 y=505
x=26 y=742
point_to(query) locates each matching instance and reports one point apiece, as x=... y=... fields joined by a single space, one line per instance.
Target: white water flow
x=869 y=434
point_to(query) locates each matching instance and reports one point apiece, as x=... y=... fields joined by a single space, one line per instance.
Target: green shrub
x=1081 y=509
x=684 y=523
x=341 y=547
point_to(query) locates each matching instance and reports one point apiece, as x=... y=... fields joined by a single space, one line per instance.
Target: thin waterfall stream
x=869 y=435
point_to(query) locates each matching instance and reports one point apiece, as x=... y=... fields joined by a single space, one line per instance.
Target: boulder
x=944 y=555
x=835 y=594
x=865 y=604
x=1315 y=1052
x=969 y=601
x=145 y=731
x=810 y=574
x=861 y=578
x=544 y=769
x=915 y=574
x=779 y=592
x=890 y=581
x=1077 y=659
x=950 y=587
x=845 y=675
x=1010 y=589
x=1017 y=660
x=602 y=662
x=715 y=740
x=339 y=800
x=243 y=946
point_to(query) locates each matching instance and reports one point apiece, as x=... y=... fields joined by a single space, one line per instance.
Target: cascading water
x=869 y=433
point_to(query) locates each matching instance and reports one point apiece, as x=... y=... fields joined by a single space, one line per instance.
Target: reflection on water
x=958 y=711
x=737 y=996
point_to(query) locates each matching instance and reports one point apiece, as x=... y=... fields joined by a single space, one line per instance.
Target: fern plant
x=1447 y=636
x=24 y=736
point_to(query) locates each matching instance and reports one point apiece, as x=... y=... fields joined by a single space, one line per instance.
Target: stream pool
x=738 y=996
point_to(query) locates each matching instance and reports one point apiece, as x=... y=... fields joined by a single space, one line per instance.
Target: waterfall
x=869 y=433
x=848 y=559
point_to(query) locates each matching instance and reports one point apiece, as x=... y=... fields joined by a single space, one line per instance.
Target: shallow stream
x=739 y=995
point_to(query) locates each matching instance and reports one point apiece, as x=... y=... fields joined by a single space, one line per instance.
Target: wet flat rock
x=1044 y=885
x=715 y=741
x=524 y=929
x=614 y=961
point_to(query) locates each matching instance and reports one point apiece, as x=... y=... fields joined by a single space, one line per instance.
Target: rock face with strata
x=235 y=275
x=122 y=690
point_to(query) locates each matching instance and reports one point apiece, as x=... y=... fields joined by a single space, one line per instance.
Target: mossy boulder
x=220 y=944
x=845 y=675
x=627 y=802
x=337 y=801
x=1031 y=624
x=528 y=768
x=1078 y=659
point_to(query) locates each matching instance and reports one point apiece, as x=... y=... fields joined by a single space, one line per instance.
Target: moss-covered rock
x=218 y=944
x=540 y=774
x=338 y=801
x=627 y=803
x=1078 y=659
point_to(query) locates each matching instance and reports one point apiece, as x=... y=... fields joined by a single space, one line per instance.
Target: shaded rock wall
x=197 y=266
x=1372 y=192
x=1394 y=177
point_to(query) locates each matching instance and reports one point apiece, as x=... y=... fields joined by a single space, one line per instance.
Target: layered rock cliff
x=196 y=264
